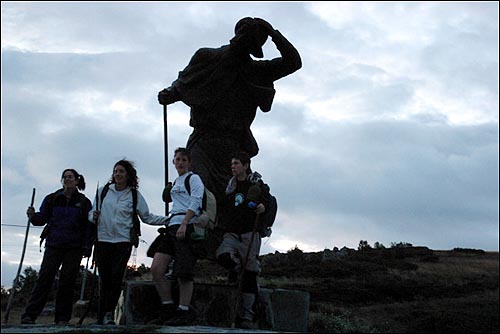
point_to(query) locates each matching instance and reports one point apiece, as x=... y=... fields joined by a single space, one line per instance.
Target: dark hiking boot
x=155 y=321
x=245 y=324
x=109 y=319
x=165 y=313
x=181 y=318
x=232 y=277
x=27 y=320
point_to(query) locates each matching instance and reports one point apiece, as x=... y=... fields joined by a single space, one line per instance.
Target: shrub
x=401 y=244
x=330 y=323
x=295 y=255
x=469 y=250
x=364 y=245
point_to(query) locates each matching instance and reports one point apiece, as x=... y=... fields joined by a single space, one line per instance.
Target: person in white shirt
x=176 y=245
x=113 y=213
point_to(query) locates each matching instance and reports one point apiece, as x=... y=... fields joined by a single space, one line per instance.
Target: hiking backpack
x=135 y=230
x=267 y=219
x=208 y=212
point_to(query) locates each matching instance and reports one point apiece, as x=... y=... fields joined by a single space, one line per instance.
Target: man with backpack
x=176 y=244
x=248 y=211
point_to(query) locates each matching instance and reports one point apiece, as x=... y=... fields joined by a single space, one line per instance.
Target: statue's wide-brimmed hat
x=254 y=28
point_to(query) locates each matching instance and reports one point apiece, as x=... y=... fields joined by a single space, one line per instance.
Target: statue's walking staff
x=165 y=139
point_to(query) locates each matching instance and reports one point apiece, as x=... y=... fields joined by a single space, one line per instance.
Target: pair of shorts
x=181 y=251
x=237 y=245
x=158 y=245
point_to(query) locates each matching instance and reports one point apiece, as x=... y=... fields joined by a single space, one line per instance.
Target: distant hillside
x=400 y=289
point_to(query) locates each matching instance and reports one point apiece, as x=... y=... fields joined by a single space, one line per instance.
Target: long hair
x=81 y=180
x=132 y=179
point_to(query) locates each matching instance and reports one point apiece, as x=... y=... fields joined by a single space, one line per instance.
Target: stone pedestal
x=290 y=310
x=80 y=307
x=276 y=309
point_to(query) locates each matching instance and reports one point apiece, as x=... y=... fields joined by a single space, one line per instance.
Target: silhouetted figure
x=223 y=87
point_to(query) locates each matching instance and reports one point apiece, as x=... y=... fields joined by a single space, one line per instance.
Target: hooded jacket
x=68 y=226
x=115 y=220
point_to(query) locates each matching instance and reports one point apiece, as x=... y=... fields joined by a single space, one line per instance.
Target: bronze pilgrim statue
x=223 y=87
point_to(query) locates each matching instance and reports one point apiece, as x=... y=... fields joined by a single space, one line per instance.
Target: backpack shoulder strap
x=134 y=196
x=134 y=200
x=187 y=184
x=82 y=199
x=104 y=192
x=136 y=224
x=50 y=201
x=50 y=204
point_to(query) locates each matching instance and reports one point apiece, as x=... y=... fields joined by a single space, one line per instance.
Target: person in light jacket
x=176 y=244
x=113 y=213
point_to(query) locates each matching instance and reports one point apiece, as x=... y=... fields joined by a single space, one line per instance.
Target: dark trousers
x=111 y=261
x=52 y=260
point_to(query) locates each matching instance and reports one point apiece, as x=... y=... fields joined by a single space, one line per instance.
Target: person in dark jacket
x=240 y=247
x=68 y=237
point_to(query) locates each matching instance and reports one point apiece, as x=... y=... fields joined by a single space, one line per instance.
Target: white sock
x=167 y=302
x=183 y=308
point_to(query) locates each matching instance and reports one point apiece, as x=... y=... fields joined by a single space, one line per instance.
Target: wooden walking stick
x=242 y=274
x=16 y=279
x=253 y=196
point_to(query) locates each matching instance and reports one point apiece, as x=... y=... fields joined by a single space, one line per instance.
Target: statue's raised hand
x=266 y=25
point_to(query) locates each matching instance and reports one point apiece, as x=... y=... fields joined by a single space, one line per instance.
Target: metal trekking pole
x=165 y=140
x=81 y=303
x=92 y=290
x=93 y=265
x=242 y=274
x=84 y=280
x=16 y=279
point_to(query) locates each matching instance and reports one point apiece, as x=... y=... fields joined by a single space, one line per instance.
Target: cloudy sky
x=388 y=133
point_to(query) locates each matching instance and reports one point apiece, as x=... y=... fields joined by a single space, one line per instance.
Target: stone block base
x=80 y=307
x=276 y=309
